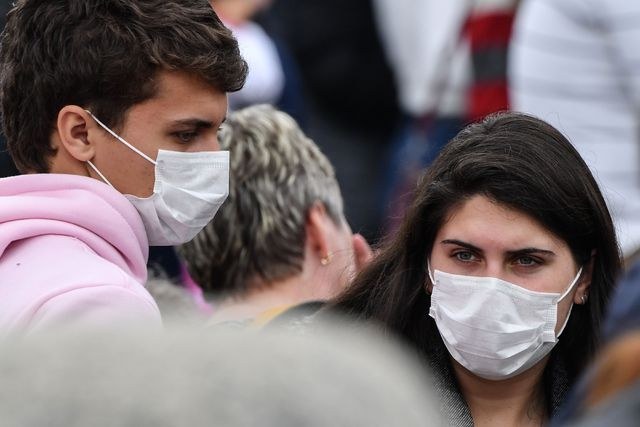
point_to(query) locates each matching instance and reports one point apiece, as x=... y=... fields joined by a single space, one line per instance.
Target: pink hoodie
x=73 y=251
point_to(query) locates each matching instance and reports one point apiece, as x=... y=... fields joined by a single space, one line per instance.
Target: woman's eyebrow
x=530 y=251
x=516 y=252
x=463 y=244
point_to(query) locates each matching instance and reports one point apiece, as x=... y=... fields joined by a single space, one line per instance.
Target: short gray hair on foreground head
x=277 y=174
x=334 y=377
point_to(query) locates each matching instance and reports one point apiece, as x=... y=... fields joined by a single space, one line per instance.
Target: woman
x=281 y=238
x=516 y=237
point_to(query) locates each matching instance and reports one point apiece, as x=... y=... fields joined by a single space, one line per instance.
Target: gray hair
x=277 y=174
x=176 y=305
x=336 y=377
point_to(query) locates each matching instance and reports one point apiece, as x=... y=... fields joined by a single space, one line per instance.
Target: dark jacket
x=340 y=58
x=453 y=407
x=623 y=315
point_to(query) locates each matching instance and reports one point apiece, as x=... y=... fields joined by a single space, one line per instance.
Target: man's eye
x=186 y=137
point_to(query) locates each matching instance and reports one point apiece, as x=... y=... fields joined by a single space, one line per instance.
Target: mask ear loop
x=119 y=138
x=104 y=178
x=433 y=281
x=566 y=320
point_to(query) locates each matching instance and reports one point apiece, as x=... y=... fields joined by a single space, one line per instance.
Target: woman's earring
x=583 y=299
x=325 y=260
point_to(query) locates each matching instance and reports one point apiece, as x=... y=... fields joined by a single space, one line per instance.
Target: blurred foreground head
x=609 y=393
x=334 y=378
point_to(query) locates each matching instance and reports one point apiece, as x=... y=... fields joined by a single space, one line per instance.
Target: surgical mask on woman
x=494 y=328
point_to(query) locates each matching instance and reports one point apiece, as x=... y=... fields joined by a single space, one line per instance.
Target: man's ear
x=317 y=233
x=74 y=128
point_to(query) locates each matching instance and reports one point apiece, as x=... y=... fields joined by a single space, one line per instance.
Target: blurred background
x=382 y=85
x=379 y=85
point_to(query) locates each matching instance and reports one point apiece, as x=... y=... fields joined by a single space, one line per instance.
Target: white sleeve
x=420 y=38
x=621 y=24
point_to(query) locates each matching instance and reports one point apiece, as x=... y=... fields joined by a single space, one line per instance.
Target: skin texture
x=238 y=11
x=484 y=239
x=184 y=115
x=344 y=253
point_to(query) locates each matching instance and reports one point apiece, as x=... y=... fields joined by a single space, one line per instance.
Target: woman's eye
x=526 y=261
x=465 y=256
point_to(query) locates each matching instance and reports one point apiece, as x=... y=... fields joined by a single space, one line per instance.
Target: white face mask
x=189 y=189
x=494 y=328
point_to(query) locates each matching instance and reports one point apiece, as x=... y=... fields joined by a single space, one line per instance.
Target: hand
x=362 y=252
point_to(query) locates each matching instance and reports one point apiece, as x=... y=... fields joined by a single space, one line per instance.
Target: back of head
x=525 y=164
x=102 y=55
x=616 y=369
x=334 y=378
x=610 y=392
x=277 y=174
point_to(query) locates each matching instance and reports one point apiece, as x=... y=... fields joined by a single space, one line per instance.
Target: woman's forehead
x=487 y=224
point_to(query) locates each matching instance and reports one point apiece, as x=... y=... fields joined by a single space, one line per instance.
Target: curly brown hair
x=103 y=55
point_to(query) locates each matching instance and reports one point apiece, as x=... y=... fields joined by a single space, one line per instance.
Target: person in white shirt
x=576 y=64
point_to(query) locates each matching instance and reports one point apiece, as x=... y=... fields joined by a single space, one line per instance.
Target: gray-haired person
x=281 y=238
x=337 y=377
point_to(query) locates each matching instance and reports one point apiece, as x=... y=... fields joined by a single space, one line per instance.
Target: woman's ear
x=317 y=232
x=584 y=282
x=428 y=286
x=74 y=126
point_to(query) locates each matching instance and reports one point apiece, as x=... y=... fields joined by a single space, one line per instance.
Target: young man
x=111 y=110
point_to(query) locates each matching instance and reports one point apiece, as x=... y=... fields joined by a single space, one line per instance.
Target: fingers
x=362 y=252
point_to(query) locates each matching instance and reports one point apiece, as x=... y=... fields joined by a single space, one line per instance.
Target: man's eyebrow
x=463 y=244
x=194 y=123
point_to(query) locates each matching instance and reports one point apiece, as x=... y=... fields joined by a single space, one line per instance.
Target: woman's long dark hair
x=523 y=163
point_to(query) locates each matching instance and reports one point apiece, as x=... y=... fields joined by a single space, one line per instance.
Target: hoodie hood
x=78 y=207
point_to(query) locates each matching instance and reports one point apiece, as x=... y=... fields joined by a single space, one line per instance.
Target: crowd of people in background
x=274 y=212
